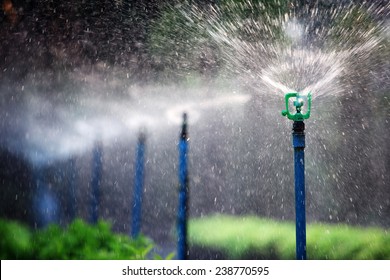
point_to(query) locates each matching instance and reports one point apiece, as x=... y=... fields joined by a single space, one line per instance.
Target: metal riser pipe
x=138 y=187
x=97 y=168
x=182 y=246
x=299 y=174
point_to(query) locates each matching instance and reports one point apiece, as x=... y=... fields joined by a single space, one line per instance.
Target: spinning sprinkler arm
x=298 y=103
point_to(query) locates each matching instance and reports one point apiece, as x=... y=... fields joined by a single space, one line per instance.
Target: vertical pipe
x=183 y=192
x=37 y=178
x=72 y=203
x=97 y=167
x=138 y=187
x=45 y=204
x=299 y=174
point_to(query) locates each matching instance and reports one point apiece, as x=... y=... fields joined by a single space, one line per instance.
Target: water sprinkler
x=45 y=204
x=72 y=200
x=183 y=193
x=138 y=186
x=97 y=168
x=298 y=102
x=299 y=165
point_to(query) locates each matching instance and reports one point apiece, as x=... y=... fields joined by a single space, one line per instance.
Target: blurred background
x=76 y=75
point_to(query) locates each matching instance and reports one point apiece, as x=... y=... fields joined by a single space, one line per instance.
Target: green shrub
x=78 y=241
x=15 y=241
x=254 y=237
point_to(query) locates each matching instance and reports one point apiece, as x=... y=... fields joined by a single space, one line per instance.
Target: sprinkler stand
x=45 y=204
x=183 y=193
x=299 y=167
x=96 y=181
x=72 y=207
x=299 y=174
x=138 y=186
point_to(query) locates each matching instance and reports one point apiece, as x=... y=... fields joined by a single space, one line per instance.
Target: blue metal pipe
x=45 y=204
x=183 y=193
x=72 y=201
x=138 y=187
x=96 y=181
x=299 y=174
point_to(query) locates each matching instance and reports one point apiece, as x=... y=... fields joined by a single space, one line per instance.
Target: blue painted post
x=183 y=192
x=138 y=187
x=96 y=181
x=72 y=202
x=299 y=173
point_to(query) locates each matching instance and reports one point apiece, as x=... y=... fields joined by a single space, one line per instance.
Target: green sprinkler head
x=298 y=102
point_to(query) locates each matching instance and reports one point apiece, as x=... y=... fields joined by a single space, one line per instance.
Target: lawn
x=247 y=237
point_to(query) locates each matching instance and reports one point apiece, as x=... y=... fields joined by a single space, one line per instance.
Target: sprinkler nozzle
x=298 y=103
x=184 y=133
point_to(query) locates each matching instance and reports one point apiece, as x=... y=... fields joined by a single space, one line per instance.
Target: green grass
x=79 y=240
x=254 y=237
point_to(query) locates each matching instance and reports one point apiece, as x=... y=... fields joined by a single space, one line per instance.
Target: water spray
x=183 y=193
x=138 y=186
x=299 y=165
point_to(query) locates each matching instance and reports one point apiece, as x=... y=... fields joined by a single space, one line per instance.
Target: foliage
x=79 y=241
x=254 y=237
x=15 y=241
